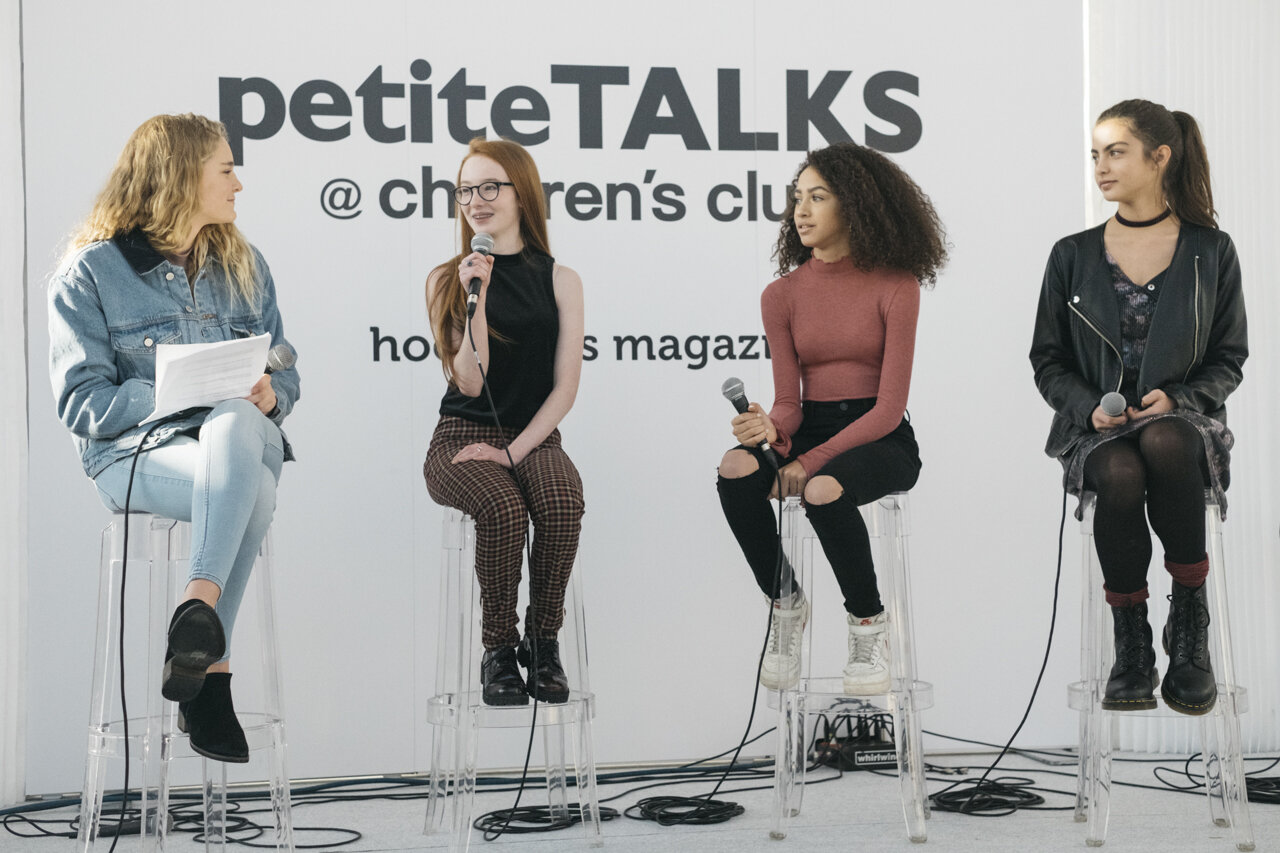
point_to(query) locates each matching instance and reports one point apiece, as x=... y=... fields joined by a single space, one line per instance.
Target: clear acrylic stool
x=1219 y=729
x=458 y=714
x=888 y=525
x=158 y=550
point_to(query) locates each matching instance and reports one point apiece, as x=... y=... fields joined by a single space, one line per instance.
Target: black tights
x=1163 y=467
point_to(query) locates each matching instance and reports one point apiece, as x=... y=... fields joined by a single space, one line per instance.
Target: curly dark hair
x=892 y=223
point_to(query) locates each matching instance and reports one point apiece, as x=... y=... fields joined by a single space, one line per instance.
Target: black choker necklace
x=1129 y=223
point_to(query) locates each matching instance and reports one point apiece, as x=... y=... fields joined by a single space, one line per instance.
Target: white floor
x=860 y=811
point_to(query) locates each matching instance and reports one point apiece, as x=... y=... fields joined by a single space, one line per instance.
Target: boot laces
x=1189 y=617
x=1131 y=648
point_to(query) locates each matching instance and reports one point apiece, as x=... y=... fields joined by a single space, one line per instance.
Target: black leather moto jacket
x=1196 y=346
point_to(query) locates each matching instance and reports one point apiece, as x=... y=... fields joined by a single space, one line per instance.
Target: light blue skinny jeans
x=224 y=483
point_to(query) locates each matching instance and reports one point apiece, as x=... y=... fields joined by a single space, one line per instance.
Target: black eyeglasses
x=488 y=191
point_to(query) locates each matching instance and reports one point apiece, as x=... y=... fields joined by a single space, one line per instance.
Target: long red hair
x=447 y=307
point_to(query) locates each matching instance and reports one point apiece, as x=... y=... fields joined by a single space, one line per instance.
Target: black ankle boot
x=210 y=720
x=547 y=681
x=1134 y=676
x=1188 y=685
x=500 y=678
x=196 y=641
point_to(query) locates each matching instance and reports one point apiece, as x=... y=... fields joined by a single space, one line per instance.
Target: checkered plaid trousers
x=548 y=491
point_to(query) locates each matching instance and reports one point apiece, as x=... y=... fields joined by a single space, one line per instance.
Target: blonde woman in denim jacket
x=160 y=261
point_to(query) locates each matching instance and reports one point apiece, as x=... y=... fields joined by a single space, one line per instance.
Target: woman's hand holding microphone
x=753 y=427
x=1112 y=411
x=473 y=266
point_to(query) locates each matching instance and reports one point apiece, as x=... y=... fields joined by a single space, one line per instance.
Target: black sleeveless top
x=521 y=307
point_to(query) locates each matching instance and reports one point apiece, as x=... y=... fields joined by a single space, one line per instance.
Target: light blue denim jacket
x=110 y=304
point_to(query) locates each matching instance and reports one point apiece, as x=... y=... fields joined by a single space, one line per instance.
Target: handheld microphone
x=733 y=392
x=482 y=243
x=1113 y=404
x=280 y=357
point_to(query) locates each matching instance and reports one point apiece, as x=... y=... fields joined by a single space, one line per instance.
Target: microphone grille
x=281 y=357
x=482 y=243
x=731 y=388
x=1113 y=404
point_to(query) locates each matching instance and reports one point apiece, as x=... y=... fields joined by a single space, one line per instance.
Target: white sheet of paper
x=189 y=375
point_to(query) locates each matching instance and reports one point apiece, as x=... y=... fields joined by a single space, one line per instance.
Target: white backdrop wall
x=1218 y=62
x=674 y=614
x=13 y=421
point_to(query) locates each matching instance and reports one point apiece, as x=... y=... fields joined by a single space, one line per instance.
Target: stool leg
x=790 y=739
x=585 y=775
x=557 y=787
x=789 y=760
x=1094 y=653
x=801 y=722
x=273 y=701
x=165 y=540
x=1082 y=769
x=95 y=780
x=1102 y=728
x=584 y=769
x=215 y=805
x=1224 y=772
x=906 y=735
x=439 y=788
x=278 y=779
x=450 y=684
x=1212 y=757
x=1232 y=770
x=104 y=663
x=1220 y=730
x=465 y=793
x=892 y=528
x=163 y=830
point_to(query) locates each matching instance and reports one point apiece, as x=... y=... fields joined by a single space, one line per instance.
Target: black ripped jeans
x=867 y=473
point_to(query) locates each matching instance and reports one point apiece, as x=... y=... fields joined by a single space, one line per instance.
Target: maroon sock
x=1190 y=575
x=1126 y=599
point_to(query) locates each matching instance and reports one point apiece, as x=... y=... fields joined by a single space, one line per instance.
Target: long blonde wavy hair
x=155 y=187
x=448 y=306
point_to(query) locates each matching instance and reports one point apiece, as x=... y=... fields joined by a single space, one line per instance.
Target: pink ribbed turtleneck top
x=839 y=333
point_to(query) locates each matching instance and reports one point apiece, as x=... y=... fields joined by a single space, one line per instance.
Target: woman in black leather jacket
x=1149 y=306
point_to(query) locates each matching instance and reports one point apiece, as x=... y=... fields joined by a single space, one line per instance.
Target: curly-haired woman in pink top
x=858 y=240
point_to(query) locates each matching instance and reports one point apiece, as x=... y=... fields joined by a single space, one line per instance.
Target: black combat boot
x=547 y=681
x=1134 y=676
x=500 y=678
x=1188 y=685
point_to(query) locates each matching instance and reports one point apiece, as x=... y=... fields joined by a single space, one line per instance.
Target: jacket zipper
x=1120 y=382
x=1195 y=342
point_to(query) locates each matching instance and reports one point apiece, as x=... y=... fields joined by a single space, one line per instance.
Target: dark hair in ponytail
x=1186 y=178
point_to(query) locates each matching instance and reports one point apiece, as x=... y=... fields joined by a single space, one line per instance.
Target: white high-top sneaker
x=867 y=671
x=780 y=669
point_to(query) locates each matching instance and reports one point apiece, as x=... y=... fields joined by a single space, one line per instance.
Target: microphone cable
x=538 y=816
x=701 y=810
x=124 y=574
x=996 y=797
